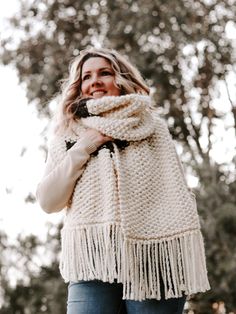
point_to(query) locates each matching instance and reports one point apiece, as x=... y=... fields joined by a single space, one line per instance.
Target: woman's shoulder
x=56 y=145
x=59 y=136
x=159 y=120
x=60 y=140
x=161 y=130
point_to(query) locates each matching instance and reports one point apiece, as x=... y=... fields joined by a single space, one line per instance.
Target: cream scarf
x=132 y=217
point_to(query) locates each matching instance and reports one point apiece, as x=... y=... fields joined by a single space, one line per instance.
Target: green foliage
x=182 y=49
x=40 y=289
x=216 y=205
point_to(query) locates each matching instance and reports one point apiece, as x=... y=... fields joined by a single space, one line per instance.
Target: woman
x=131 y=239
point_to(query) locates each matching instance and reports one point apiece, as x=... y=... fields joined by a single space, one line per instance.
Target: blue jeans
x=97 y=297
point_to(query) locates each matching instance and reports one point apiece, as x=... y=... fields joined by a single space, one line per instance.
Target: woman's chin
x=99 y=95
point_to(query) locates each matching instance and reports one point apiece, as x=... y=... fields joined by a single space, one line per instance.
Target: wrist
x=90 y=148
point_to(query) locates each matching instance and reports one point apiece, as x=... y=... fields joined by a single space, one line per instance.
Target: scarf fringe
x=104 y=254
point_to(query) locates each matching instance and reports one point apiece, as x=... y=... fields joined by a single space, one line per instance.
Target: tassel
x=104 y=254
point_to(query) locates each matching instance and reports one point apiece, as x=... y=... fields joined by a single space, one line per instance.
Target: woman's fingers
x=95 y=137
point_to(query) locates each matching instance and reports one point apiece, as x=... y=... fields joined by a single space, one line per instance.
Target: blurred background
x=186 y=50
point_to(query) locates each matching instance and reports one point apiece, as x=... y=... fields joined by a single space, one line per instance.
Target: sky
x=22 y=161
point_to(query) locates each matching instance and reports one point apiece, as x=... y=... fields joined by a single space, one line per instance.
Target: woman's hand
x=92 y=139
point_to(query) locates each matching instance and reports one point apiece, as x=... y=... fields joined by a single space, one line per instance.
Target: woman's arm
x=56 y=187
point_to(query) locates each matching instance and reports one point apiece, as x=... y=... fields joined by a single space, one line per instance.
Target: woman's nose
x=95 y=80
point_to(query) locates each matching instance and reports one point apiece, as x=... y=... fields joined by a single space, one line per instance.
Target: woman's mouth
x=98 y=93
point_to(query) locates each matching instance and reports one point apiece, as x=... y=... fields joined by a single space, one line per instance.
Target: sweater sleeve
x=56 y=187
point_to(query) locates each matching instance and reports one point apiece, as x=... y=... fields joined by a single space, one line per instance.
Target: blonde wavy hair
x=127 y=78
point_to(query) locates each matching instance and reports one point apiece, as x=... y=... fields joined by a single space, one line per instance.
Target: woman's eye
x=86 y=77
x=105 y=73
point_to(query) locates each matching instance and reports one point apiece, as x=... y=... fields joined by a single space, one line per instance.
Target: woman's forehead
x=94 y=63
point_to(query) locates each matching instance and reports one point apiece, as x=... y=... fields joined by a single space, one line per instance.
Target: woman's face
x=98 y=78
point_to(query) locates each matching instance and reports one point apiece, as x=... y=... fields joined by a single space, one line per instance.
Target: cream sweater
x=130 y=215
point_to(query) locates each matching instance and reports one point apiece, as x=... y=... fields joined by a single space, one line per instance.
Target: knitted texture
x=132 y=216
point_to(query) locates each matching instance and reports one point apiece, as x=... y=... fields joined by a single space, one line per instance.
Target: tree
x=180 y=47
x=40 y=288
x=216 y=205
x=183 y=50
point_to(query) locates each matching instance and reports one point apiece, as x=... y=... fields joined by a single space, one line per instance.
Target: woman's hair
x=127 y=78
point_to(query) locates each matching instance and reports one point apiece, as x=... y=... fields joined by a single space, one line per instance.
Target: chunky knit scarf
x=132 y=217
